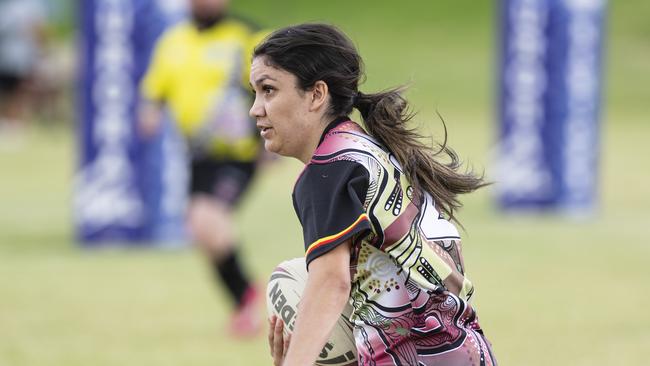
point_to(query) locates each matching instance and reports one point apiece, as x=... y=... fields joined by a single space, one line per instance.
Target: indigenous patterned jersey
x=409 y=290
x=202 y=75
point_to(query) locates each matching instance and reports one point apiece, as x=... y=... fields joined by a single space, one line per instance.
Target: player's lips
x=265 y=130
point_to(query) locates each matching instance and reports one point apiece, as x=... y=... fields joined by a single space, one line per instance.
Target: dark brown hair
x=314 y=52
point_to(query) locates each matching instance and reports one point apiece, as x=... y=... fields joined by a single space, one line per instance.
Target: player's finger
x=278 y=341
x=287 y=340
x=271 y=333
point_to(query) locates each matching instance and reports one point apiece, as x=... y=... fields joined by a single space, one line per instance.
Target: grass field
x=550 y=291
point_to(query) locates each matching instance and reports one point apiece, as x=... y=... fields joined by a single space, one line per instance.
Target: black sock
x=230 y=272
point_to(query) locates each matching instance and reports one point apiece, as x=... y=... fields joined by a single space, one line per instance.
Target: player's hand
x=149 y=119
x=277 y=342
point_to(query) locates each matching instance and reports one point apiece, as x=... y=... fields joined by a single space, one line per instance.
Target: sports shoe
x=246 y=321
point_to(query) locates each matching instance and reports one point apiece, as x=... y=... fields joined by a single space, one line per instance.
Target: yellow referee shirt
x=202 y=76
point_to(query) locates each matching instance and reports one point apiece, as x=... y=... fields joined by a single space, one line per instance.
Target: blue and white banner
x=550 y=104
x=122 y=190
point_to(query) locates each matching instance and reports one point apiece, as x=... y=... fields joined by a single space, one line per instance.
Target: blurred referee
x=200 y=70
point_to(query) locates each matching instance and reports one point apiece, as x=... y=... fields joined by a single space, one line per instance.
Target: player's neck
x=204 y=22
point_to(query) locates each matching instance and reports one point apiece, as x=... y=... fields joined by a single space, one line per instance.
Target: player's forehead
x=262 y=70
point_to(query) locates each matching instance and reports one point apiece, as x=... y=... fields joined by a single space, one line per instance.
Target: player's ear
x=319 y=95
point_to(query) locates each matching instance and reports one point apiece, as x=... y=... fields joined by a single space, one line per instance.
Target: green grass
x=550 y=290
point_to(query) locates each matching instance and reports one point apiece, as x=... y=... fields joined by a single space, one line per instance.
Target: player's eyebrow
x=262 y=78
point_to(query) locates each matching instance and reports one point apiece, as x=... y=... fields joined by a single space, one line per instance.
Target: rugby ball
x=283 y=294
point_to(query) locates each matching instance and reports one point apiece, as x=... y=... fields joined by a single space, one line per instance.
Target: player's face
x=205 y=8
x=282 y=110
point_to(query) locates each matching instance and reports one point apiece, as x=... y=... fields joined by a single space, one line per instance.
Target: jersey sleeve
x=155 y=83
x=328 y=200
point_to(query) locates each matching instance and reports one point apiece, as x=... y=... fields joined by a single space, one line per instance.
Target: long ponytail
x=385 y=115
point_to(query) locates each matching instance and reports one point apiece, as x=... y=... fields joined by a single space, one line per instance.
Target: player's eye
x=268 y=89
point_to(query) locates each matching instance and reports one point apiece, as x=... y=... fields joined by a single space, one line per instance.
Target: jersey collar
x=337 y=121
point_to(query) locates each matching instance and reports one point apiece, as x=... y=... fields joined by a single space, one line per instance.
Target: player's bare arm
x=149 y=117
x=325 y=296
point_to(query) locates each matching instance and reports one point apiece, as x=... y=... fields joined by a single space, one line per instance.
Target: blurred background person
x=199 y=70
x=22 y=34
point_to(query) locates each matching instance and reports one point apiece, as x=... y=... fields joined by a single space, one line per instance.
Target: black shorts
x=224 y=180
x=9 y=83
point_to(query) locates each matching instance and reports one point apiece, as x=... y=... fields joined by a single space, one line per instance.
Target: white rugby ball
x=283 y=294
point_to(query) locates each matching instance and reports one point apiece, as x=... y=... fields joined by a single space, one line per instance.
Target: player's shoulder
x=177 y=33
x=323 y=178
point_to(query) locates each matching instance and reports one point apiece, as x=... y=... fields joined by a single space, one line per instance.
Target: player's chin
x=271 y=146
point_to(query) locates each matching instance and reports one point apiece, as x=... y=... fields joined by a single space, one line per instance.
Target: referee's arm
x=150 y=114
x=154 y=89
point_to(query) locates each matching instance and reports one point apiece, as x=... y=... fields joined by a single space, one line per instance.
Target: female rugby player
x=375 y=205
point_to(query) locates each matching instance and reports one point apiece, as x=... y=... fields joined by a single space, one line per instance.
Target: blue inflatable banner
x=122 y=189
x=550 y=104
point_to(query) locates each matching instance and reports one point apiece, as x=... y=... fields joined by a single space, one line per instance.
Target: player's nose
x=257 y=109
